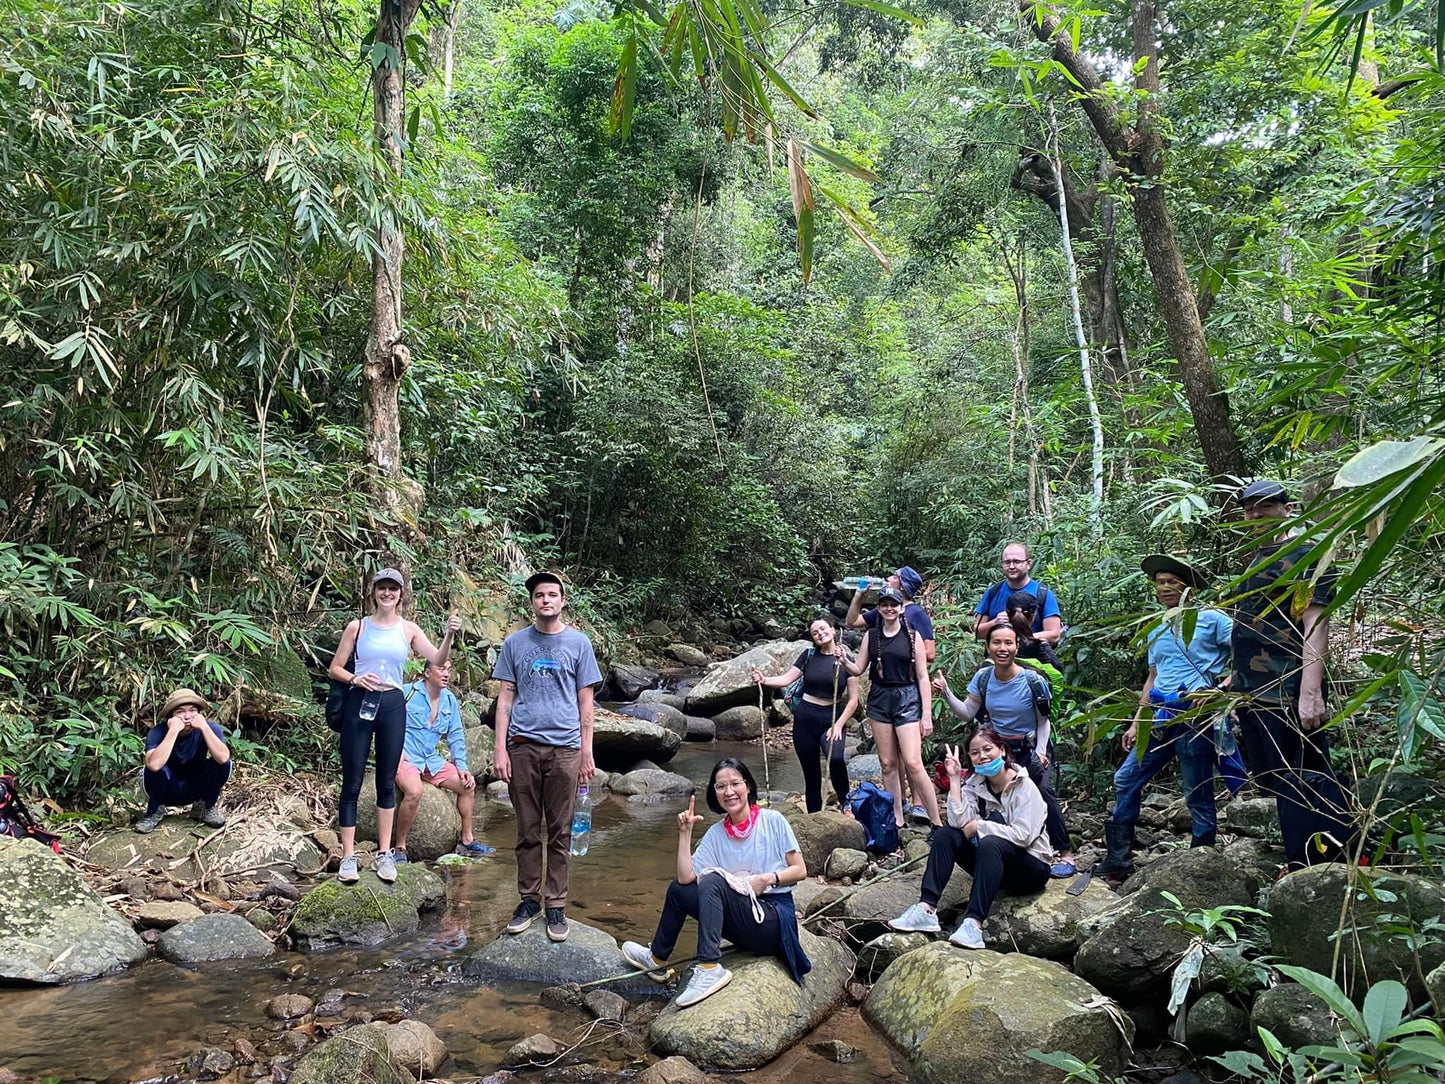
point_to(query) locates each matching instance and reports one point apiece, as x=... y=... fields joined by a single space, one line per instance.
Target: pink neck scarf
x=744 y=830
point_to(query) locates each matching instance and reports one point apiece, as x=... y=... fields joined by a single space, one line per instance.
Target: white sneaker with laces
x=348 y=874
x=917 y=919
x=705 y=982
x=386 y=867
x=968 y=935
x=640 y=957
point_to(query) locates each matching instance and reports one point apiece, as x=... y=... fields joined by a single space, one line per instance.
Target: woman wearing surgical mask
x=995 y=831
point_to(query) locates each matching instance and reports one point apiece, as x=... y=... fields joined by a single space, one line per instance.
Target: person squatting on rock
x=433 y=713
x=992 y=609
x=187 y=762
x=821 y=714
x=370 y=658
x=1016 y=701
x=1280 y=650
x=1182 y=675
x=900 y=700
x=995 y=831
x=545 y=714
x=738 y=884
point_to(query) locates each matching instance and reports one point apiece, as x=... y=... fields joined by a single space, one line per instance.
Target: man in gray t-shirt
x=544 y=745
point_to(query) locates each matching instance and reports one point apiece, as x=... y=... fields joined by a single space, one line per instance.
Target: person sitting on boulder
x=822 y=710
x=1180 y=675
x=187 y=762
x=995 y=831
x=738 y=884
x=1016 y=702
x=432 y=712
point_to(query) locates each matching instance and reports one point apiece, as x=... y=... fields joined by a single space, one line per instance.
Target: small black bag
x=336 y=696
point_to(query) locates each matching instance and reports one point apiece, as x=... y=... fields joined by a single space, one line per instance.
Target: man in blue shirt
x=992 y=609
x=1182 y=675
x=907 y=580
x=187 y=762
x=433 y=713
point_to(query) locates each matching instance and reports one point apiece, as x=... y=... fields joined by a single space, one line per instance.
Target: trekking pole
x=767 y=775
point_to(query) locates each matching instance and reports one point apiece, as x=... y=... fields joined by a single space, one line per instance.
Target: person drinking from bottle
x=995 y=831
x=738 y=884
x=1016 y=702
x=370 y=658
x=545 y=714
x=1182 y=674
x=900 y=701
x=907 y=581
x=827 y=700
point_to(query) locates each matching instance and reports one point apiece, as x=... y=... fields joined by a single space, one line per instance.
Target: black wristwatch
x=776 y=882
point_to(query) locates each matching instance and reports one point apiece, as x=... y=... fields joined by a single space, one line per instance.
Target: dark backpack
x=875 y=648
x=1037 y=684
x=16 y=821
x=872 y=807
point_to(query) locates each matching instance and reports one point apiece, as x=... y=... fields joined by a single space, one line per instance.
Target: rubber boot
x=1119 y=842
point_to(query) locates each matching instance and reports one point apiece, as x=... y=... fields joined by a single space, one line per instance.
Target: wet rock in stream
x=214 y=937
x=356 y=1054
x=368 y=912
x=587 y=955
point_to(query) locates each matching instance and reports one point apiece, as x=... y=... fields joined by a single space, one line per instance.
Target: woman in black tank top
x=900 y=702
x=828 y=699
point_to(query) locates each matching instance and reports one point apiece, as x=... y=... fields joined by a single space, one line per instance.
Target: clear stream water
x=141 y=1024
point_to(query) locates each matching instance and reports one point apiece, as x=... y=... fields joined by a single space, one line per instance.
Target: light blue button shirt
x=1198 y=665
x=423 y=736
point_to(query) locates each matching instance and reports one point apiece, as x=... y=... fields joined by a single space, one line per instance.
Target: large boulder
x=700 y=729
x=728 y=684
x=250 y=846
x=481 y=746
x=53 y=926
x=587 y=954
x=1305 y=913
x=1215 y=1024
x=761 y=1013
x=436 y=831
x=359 y=1053
x=1130 y=949
x=368 y=912
x=660 y=714
x=820 y=834
x=1255 y=817
x=619 y=742
x=878 y=955
x=1292 y=1015
x=626 y=682
x=741 y=723
x=660 y=696
x=687 y=654
x=653 y=781
x=960 y=1015
x=868 y=910
x=214 y=937
x=1046 y=923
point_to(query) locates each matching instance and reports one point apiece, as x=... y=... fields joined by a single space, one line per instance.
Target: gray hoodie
x=1021 y=806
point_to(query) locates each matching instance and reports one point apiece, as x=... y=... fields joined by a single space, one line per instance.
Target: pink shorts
x=407 y=770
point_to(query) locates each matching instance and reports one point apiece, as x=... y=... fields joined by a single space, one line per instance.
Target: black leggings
x=811 y=723
x=995 y=862
x=389 y=726
x=720 y=912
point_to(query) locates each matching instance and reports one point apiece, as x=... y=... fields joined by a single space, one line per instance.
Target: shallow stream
x=140 y=1025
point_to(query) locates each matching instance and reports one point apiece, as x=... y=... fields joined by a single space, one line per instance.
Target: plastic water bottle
x=1224 y=740
x=860 y=583
x=581 y=822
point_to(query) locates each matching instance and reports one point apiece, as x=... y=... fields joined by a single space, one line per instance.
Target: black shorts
x=894 y=705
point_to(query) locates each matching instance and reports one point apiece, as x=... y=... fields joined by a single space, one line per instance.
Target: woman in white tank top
x=381 y=644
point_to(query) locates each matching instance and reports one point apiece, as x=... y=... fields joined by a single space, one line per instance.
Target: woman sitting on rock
x=828 y=701
x=738 y=885
x=995 y=831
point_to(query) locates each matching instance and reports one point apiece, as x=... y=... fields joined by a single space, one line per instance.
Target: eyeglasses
x=722 y=788
x=1021 y=561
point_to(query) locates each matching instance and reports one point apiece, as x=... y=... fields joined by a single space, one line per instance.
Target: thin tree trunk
x=454 y=14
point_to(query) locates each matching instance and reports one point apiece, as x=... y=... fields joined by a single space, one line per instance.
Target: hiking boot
x=522 y=917
x=386 y=867
x=209 y=815
x=150 y=822
x=917 y=919
x=398 y=855
x=968 y=935
x=705 y=982
x=1118 y=862
x=348 y=873
x=472 y=849
x=556 y=924
x=641 y=957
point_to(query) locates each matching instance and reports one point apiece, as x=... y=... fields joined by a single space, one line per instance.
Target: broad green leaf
x=1328 y=992
x=1385 y=458
x=1383 y=1009
x=839 y=160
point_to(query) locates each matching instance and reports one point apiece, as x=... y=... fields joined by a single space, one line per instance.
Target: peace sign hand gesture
x=688 y=817
x=952 y=766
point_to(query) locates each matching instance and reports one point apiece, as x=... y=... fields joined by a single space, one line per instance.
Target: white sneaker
x=917 y=919
x=705 y=982
x=640 y=957
x=348 y=874
x=386 y=867
x=968 y=935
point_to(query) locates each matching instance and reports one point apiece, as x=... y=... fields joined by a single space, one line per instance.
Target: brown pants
x=544 y=783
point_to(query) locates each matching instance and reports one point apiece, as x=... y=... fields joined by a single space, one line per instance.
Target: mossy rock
x=280 y=670
x=368 y=912
x=358 y=1053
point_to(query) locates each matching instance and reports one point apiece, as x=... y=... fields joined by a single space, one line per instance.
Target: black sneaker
x=556 y=924
x=522 y=917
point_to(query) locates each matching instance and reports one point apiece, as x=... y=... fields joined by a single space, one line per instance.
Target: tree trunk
x=454 y=14
x=387 y=357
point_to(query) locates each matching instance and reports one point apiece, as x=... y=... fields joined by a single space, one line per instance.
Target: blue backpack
x=872 y=807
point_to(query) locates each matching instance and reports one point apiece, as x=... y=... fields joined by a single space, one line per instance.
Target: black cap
x=1263 y=489
x=544 y=577
x=1163 y=562
x=891 y=594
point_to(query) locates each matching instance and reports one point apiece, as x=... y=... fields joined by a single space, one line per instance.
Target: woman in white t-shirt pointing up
x=738 y=885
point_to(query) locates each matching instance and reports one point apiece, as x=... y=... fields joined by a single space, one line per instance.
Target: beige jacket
x=1021 y=806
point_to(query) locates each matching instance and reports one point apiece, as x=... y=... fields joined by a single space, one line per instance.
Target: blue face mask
x=991 y=769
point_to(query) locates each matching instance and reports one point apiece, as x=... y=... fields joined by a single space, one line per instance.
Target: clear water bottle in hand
x=581 y=822
x=859 y=583
x=370 y=705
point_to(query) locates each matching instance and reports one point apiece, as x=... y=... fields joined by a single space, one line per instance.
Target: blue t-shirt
x=916 y=616
x=189 y=750
x=423 y=736
x=995 y=599
x=1010 y=704
x=1198 y=665
x=548 y=669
